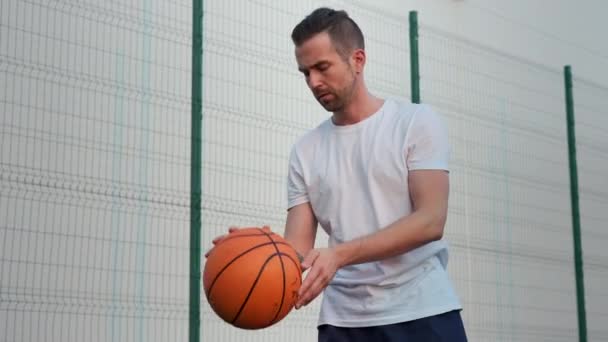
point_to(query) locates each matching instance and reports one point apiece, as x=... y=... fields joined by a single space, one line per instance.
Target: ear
x=358 y=59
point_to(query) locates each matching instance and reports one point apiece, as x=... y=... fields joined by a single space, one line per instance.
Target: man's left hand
x=323 y=264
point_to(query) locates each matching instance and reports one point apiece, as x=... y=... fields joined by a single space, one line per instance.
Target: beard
x=337 y=100
x=332 y=102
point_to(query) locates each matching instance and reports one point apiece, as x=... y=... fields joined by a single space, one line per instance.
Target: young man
x=375 y=177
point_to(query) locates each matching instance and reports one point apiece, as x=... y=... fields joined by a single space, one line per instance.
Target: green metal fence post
x=576 y=226
x=414 y=66
x=195 y=172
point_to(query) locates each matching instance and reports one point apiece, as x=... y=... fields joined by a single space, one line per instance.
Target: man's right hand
x=221 y=237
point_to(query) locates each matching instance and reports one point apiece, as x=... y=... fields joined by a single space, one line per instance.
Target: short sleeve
x=427 y=145
x=296 y=187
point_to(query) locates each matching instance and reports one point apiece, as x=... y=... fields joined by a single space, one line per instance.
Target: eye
x=323 y=67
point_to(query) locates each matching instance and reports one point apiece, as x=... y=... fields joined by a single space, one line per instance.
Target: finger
x=313 y=278
x=312 y=292
x=208 y=252
x=315 y=290
x=310 y=279
x=231 y=230
x=310 y=259
x=218 y=239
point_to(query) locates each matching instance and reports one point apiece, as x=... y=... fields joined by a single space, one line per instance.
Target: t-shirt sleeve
x=296 y=187
x=427 y=145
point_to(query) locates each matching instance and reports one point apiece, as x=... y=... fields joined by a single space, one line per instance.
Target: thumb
x=309 y=260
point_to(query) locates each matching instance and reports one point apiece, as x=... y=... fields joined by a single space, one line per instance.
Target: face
x=329 y=76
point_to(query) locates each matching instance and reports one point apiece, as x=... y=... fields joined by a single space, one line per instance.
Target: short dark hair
x=344 y=33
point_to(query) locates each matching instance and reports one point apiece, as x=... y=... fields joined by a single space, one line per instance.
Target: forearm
x=301 y=228
x=405 y=234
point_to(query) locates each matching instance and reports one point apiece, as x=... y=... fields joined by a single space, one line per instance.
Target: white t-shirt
x=355 y=178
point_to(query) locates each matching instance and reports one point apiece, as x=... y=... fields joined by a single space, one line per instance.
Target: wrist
x=346 y=252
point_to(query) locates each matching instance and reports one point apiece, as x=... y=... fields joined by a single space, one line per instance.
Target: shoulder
x=405 y=116
x=306 y=142
x=407 y=109
x=398 y=110
x=413 y=115
x=426 y=118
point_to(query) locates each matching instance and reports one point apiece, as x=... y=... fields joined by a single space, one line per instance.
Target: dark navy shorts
x=444 y=327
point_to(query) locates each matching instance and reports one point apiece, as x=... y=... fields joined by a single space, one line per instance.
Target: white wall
x=550 y=32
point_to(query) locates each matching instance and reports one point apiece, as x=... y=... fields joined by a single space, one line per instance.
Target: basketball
x=252 y=277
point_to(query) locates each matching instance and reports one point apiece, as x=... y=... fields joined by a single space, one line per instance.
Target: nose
x=314 y=80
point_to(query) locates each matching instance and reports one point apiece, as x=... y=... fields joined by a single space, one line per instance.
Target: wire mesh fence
x=590 y=101
x=95 y=162
x=95 y=103
x=509 y=220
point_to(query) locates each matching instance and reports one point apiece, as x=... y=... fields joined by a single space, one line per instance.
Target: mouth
x=324 y=97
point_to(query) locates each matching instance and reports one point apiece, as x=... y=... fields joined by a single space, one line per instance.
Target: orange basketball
x=252 y=278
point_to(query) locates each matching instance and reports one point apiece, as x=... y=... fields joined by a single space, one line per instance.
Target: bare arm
x=301 y=228
x=429 y=191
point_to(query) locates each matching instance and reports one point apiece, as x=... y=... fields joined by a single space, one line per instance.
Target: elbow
x=435 y=233
x=435 y=227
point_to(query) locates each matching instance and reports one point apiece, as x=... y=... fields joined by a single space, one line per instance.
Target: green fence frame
x=195 y=171
x=574 y=193
x=574 y=196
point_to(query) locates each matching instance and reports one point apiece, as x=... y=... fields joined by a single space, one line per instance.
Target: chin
x=330 y=107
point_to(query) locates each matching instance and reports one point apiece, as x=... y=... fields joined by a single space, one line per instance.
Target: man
x=375 y=177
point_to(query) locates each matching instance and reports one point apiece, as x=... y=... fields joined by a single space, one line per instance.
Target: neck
x=362 y=105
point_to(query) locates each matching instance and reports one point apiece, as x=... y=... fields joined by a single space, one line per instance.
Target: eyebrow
x=316 y=65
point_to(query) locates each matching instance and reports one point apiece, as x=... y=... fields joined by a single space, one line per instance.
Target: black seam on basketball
x=208 y=293
x=231 y=236
x=281 y=255
x=296 y=263
x=252 y=287
x=274 y=243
